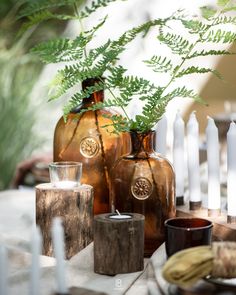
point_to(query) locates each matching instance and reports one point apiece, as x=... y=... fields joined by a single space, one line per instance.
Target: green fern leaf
x=176 y=43
x=195 y=26
x=62 y=50
x=232 y=8
x=197 y=70
x=221 y=20
x=41 y=16
x=159 y=64
x=76 y=99
x=34 y=7
x=94 y=6
x=207 y=12
x=209 y=52
x=222 y=3
x=182 y=92
x=220 y=36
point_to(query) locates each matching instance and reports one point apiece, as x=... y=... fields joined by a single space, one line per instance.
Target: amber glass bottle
x=82 y=138
x=144 y=182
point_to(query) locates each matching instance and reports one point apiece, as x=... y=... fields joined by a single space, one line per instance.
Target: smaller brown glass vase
x=144 y=182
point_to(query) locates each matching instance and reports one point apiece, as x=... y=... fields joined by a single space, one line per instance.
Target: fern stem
x=111 y=92
x=81 y=25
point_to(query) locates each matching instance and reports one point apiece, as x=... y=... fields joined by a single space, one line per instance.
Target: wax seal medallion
x=89 y=147
x=141 y=188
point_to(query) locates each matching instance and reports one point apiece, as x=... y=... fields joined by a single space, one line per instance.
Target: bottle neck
x=142 y=143
x=94 y=97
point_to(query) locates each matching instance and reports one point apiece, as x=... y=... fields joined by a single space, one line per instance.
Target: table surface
x=17 y=216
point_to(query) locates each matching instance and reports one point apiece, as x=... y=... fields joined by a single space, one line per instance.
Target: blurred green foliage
x=19 y=72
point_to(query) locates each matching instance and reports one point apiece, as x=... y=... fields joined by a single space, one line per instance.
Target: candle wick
x=118 y=212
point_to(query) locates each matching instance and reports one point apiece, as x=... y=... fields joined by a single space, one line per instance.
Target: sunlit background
x=28 y=120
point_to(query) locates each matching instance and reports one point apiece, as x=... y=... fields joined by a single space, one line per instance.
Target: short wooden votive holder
x=118 y=243
x=74 y=206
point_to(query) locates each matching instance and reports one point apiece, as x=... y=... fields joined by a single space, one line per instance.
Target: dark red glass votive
x=182 y=233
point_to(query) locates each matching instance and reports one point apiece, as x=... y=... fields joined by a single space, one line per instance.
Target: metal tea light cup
x=182 y=233
x=65 y=175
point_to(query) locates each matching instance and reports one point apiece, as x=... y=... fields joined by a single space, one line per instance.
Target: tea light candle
x=231 y=177
x=213 y=161
x=193 y=163
x=58 y=245
x=124 y=237
x=66 y=184
x=3 y=270
x=120 y=216
x=178 y=158
x=36 y=249
x=161 y=132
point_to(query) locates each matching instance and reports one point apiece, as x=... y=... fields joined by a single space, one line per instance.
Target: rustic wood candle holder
x=118 y=244
x=74 y=206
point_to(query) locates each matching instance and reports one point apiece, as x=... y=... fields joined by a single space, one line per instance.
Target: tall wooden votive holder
x=118 y=243
x=74 y=206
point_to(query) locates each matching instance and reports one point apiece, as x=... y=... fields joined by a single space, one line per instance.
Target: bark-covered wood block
x=74 y=206
x=118 y=244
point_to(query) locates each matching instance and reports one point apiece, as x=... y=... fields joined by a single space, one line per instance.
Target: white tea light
x=59 y=251
x=213 y=161
x=3 y=270
x=66 y=184
x=36 y=250
x=193 y=160
x=120 y=216
x=178 y=154
x=231 y=169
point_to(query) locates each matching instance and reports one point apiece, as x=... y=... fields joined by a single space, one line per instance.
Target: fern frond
x=119 y=123
x=182 y=92
x=62 y=50
x=208 y=12
x=197 y=70
x=41 y=16
x=220 y=36
x=159 y=64
x=94 y=6
x=209 y=52
x=223 y=19
x=195 y=26
x=232 y=8
x=77 y=98
x=223 y=3
x=34 y=7
x=176 y=43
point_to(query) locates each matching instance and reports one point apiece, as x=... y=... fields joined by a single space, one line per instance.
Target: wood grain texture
x=118 y=244
x=75 y=207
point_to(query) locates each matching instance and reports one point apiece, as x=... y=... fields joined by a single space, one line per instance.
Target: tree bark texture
x=118 y=244
x=75 y=207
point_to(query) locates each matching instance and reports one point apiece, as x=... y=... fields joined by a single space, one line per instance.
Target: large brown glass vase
x=82 y=138
x=144 y=182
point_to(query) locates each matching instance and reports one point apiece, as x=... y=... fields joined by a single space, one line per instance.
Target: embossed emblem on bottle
x=141 y=188
x=89 y=147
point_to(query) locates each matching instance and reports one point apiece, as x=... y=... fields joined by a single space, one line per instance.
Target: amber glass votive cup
x=182 y=233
